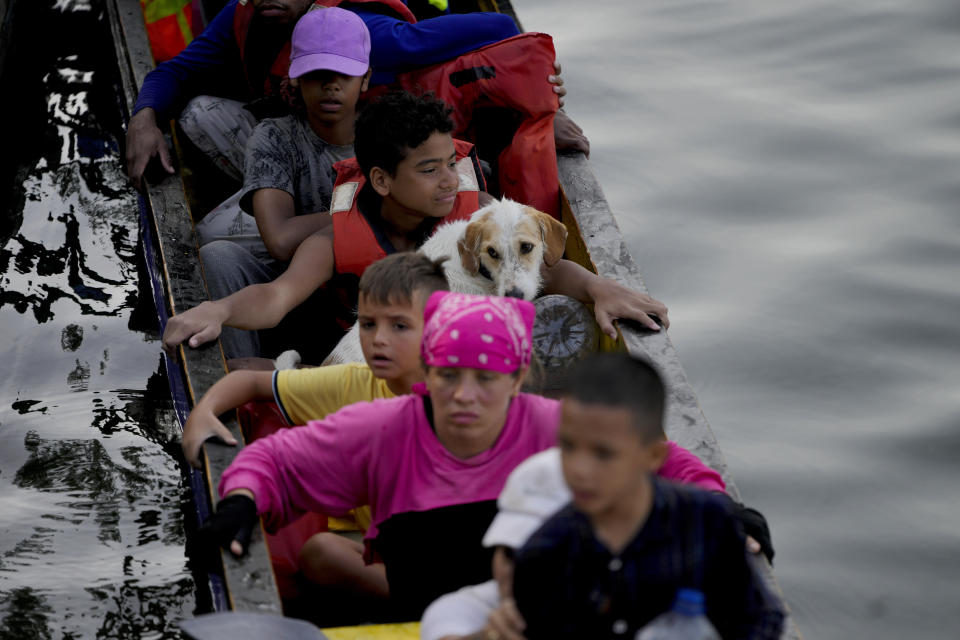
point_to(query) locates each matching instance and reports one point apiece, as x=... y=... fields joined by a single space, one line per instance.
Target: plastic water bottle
x=686 y=620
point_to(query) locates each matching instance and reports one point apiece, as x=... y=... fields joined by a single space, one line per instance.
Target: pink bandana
x=479 y=332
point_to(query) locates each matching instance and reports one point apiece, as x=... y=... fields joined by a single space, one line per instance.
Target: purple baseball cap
x=330 y=39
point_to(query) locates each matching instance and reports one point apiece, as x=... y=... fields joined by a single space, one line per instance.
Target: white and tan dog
x=498 y=252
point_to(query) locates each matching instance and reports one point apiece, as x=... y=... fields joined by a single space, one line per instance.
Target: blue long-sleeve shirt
x=396 y=46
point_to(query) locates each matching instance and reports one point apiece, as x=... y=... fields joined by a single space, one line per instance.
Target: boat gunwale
x=249 y=580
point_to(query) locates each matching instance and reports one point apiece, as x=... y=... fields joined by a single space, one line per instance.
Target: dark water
x=787 y=177
x=91 y=527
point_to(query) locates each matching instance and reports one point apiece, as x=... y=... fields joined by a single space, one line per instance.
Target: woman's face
x=470 y=406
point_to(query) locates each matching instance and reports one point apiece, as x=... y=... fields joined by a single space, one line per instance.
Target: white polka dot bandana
x=478 y=332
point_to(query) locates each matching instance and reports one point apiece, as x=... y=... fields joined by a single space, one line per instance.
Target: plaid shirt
x=569 y=585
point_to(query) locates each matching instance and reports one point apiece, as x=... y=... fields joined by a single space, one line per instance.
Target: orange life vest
x=511 y=74
x=170 y=26
x=281 y=64
x=355 y=243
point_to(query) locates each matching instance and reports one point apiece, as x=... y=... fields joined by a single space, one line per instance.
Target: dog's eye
x=526 y=247
x=493 y=253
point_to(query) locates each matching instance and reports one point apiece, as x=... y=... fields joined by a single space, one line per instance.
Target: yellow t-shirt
x=310 y=394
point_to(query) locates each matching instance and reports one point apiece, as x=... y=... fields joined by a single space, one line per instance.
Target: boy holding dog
x=410 y=181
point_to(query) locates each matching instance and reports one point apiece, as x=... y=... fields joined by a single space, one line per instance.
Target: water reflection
x=26 y=615
x=91 y=497
x=83 y=470
x=71 y=337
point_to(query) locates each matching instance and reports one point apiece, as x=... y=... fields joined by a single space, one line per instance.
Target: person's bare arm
x=280 y=227
x=231 y=391
x=610 y=299
x=144 y=142
x=259 y=306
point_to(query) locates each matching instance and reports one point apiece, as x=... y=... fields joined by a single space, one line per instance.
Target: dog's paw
x=287 y=360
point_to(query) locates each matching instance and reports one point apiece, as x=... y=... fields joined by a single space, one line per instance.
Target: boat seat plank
x=402 y=631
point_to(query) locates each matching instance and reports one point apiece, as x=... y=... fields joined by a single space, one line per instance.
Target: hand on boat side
x=202 y=425
x=197 y=326
x=612 y=300
x=232 y=524
x=756 y=529
x=568 y=135
x=144 y=142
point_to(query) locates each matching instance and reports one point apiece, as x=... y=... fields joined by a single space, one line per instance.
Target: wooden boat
x=170 y=246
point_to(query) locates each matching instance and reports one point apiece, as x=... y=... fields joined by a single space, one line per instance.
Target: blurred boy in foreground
x=615 y=557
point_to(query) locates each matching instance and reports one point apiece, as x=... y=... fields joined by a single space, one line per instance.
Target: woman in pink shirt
x=430 y=465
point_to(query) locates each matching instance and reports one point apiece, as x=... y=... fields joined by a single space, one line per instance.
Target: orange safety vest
x=170 y=26
x=355 y=243
x=281 y=64
x=512 y=74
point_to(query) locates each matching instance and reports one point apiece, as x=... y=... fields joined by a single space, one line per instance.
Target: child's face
x=331 y=97
x=605 y=461
x=390 y=336
x=426 y=181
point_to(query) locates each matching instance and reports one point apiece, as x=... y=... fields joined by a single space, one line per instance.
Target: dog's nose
x=514 y=293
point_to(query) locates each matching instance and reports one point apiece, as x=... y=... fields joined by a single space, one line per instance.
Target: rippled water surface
x=787 y=177
x=91 y=532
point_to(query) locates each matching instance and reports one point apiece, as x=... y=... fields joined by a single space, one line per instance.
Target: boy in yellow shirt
x=393 y=292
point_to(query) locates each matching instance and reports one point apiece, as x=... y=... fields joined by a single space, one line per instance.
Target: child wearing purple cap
x=288 y=173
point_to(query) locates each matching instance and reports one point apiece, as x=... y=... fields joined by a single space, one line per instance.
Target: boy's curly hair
x=391 y=125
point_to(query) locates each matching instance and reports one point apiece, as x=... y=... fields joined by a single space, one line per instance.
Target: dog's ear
x=554 y=235
x=469 y=248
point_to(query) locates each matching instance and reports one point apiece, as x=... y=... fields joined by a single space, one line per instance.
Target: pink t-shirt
x=383 y=453
x=684 y=467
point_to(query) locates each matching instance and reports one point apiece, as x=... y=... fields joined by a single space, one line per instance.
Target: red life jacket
x=170 y=25
x=281 y=64
x=512 y=74
x=355 y=243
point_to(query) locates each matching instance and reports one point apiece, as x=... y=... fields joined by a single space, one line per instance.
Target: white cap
x=533 y=492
